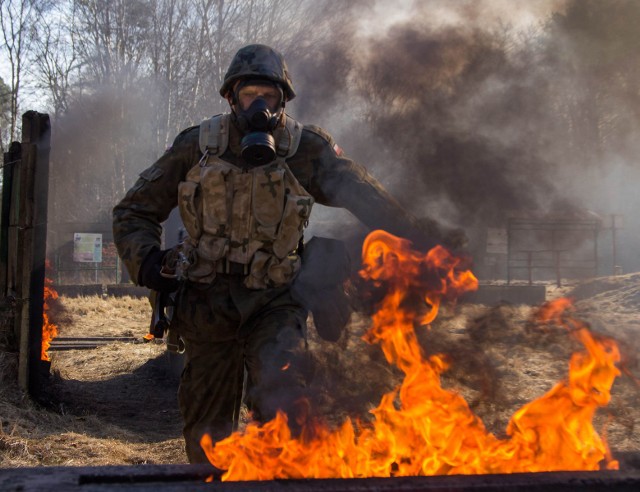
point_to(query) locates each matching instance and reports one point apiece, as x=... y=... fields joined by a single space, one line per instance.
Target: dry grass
x=86 y=316
x=68 y=432
x=94 y=413
x=116 y=404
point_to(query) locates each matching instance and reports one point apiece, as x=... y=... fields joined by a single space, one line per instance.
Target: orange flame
x=49 y=329
x=421 y=428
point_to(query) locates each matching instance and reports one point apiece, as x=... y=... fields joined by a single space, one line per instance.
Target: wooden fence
x=23 y=241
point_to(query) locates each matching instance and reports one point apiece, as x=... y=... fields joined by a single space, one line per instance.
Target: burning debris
x=49 y=329
x=100 y=390
x=420 y=428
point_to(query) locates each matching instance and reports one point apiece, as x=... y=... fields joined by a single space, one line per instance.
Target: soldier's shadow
x=143 y=402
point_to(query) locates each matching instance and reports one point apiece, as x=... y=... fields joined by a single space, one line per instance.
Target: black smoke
x=476 y=120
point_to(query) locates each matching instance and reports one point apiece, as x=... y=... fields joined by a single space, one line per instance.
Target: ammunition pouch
x=319 y=286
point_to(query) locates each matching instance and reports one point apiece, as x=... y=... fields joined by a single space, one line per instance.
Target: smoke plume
x=477 y=111
x=468 y=112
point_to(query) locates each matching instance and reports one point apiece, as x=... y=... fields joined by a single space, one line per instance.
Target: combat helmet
x=258 y=61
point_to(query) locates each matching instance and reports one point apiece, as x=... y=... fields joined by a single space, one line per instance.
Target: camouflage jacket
x=331 y=178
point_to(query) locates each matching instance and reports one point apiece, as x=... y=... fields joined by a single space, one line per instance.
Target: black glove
x=319 y=285
x=331 y=312
x=430 y=233
x=456 y=240
x=150 y=276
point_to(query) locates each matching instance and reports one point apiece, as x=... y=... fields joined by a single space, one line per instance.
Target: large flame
x=421 y=428
x=49 y=329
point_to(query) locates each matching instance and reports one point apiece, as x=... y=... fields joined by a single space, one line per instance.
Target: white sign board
x=87 y=248
x=497 y=241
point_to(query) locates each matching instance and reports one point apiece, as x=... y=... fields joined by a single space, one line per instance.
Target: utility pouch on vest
x=251 y=217
x=320 y=285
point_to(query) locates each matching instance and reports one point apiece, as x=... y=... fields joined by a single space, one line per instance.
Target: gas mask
x=258 y=147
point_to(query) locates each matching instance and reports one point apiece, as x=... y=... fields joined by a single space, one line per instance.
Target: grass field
x=117 y=404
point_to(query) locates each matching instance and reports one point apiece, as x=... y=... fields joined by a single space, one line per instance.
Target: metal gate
x=539 y=249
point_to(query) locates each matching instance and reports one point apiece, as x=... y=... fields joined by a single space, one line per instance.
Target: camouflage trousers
x=230 y=331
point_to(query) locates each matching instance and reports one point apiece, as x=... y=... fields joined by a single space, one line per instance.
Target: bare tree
x=125 y=77
x=217 y=23
x=168 y=55
x=112 y=37
x=15 y=18
x=5 y=115
x=99 y=136
x=595 y=49
x=280 y=23
x=55 y=55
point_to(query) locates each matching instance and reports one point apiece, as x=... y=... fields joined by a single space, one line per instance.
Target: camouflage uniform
x=229 y=326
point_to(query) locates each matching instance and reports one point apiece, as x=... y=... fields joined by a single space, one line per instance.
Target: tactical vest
x=253 y=217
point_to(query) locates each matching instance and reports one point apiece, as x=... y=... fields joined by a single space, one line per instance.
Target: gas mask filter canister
x=258 y=148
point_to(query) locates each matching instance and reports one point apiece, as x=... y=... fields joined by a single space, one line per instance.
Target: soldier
x=244 y=182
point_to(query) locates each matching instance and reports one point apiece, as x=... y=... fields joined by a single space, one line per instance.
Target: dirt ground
x=117 y=404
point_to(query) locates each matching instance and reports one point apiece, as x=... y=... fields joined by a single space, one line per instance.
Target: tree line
x=528 y=109
x=122 y=77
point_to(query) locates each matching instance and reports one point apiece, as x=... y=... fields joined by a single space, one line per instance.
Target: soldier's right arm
x=137 y=218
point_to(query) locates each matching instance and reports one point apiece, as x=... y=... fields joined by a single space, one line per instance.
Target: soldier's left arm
x=337 y=181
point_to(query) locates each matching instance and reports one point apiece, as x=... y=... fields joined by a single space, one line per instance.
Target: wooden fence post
x=10 y=164
x=31 y=215
x=9 y=336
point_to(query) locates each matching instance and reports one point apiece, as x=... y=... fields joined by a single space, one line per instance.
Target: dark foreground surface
x=192 y=477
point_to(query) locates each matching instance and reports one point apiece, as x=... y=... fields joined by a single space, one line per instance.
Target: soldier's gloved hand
x=455 y=240
x=432 y=233
x=150 y=275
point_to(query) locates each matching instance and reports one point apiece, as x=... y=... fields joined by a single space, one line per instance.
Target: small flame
x=148 y=337
x=49 y=329
x=421 y=428
x=286 y=366
x=559 y=425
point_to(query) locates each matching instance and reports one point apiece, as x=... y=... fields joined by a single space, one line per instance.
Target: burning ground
x=116 y=404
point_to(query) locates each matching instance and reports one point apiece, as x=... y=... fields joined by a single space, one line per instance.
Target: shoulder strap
x=214 y=134
x=289 y=138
